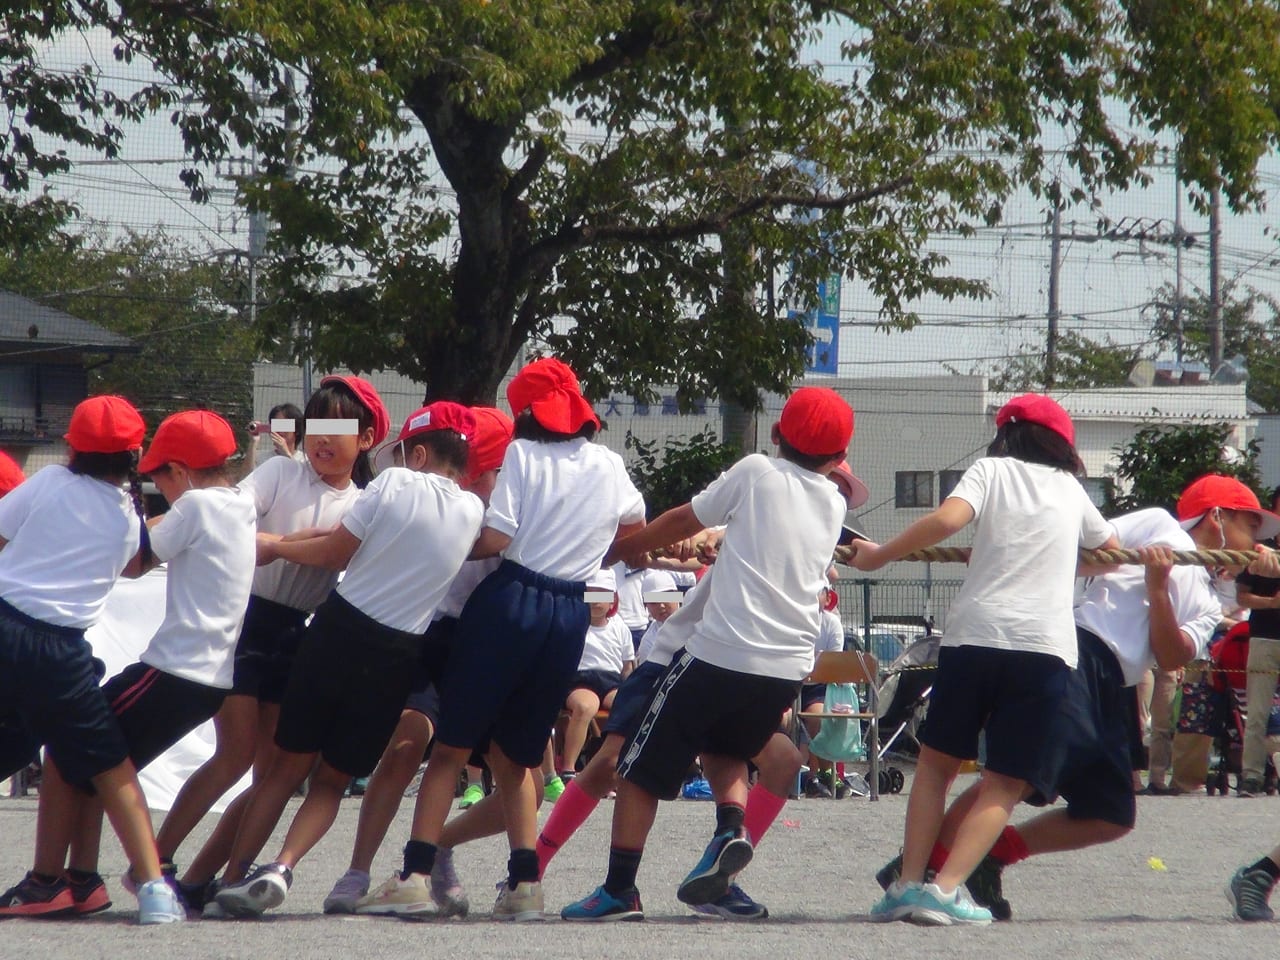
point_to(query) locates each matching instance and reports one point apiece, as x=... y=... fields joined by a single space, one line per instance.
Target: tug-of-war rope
x=1194 y=558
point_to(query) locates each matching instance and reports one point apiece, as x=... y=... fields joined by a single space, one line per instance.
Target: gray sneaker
x=446 y=889
x=1248 y=892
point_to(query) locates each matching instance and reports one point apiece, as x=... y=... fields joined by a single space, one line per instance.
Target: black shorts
x=812 y=693
x=600 y=682
x=637 y=634
x=632 y=698
x=425 y=696
x=348 y=688
x=266 y=649
x=1012 y=695
x=1089 y=762
x=520 y=639
x=156 y=709
x=49 y=694
x=700 y=708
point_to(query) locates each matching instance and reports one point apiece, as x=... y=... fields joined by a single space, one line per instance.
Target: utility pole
x=1055 y=250
x=1178 y=238
x=1215 y=280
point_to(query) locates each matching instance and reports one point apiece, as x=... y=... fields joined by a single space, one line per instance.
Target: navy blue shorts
x=49 y=692
x=600 y=682
x=268 y=644
x=1013 y=695
x=156 y=709
x=1088 y=763
x=637 y=634
x=348 y=688
x=425 y=696
x=632 y=697
x=812 y=693
x=519 y=642
x=701 y=708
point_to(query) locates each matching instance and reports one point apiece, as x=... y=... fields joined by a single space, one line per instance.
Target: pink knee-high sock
x=569 y=813
x=763 y=808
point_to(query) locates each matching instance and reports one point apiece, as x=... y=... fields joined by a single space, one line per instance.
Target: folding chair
x=849 y=666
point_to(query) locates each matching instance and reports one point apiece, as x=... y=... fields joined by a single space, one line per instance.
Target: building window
x=913 y=488
x=947 y=480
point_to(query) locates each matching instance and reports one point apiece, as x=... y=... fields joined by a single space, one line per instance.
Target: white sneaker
x=264 y=889
x=522 y=904
x=157 y=903
x=346 y=893
x=396 y=897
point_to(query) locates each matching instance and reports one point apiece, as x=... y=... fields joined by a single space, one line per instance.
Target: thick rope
x=1194 y=558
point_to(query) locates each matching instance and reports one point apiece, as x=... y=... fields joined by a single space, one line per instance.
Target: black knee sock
x=1269 y=867
x=729 y=816
x=419 y=857
x=81 y=876
x=624 y=864
x=522 y=867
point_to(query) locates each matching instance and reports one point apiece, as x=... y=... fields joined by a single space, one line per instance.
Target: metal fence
x=886 y=615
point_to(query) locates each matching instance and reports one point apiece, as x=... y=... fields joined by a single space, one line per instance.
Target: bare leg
x=57 y=817
x=86 y=844
x=269 y=799
x=126 y=808
x=778 y=763
x=387 y=785
x=316 y=815
x=435 y=796
x=519 y=795
x=997 y=796
x=633 y=816
x=1055 y=831
x=728 y=778
x=582 y=705
x=925 y=807
x=236 y=724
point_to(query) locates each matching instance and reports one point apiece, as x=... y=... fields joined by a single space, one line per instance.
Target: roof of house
x=25 y=321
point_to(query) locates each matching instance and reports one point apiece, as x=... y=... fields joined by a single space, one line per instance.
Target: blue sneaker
x=602 y=906
x=897 y=903
x=726 y=855
x=933 y=908
x=734 y=905
x=699 y=788
x=157 y=903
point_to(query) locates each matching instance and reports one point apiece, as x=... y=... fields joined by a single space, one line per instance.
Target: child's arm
x=1171 y=646
x=676 y=524
x=953 y=516
x=1099 y=569
x=627 y=668
x=490 y=543
x=332 y=550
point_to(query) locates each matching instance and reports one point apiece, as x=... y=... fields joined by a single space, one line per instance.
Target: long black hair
x=110 y=467
x=1033 y=443
x=335 y=400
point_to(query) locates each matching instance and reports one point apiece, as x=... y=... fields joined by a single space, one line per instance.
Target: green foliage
x=438 y=205
x=196 y=347
x=1160 y=461
x=670 y=476
x=1082 y=362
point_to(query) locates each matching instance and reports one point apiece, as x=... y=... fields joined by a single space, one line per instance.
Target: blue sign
x=823 y=353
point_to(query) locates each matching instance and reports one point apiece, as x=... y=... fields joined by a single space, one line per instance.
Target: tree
x=1250 y=330
x=437 y=209
x=671 y=476
x=1081 y=363
x=1160 y=461
x=197 y=348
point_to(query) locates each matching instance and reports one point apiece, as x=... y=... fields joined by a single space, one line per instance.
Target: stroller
x=903 y=698
x=1229 y=656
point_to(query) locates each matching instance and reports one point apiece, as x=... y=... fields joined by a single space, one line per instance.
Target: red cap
x=10 y=473
x=550 y=389
x=105 y=425
x=1037 y=408
x=369 y=399
x=1215 y=490
x=198 y=439
x=817 y=421
x=441 y=415
x=854 y=490
x=493 y=433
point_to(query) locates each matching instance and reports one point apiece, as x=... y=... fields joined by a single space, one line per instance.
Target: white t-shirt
x=1115 y=606
x=415 y=531
x=207 y=538
x=631 y=610
x=290 y=496
x=468 y=578
x=830 y=633
x=661 y=640
x=69 y=537
x=561 y=504
x=761 y=616
x=608 y=647
x=1030 y=521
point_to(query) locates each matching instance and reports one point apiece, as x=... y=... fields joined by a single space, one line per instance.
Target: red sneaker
x=31 y=898
x=89 y=893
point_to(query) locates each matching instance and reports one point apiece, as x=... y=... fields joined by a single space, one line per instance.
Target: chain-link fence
x=885 y=616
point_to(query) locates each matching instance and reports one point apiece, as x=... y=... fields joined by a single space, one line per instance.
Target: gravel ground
x=1157 y=892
